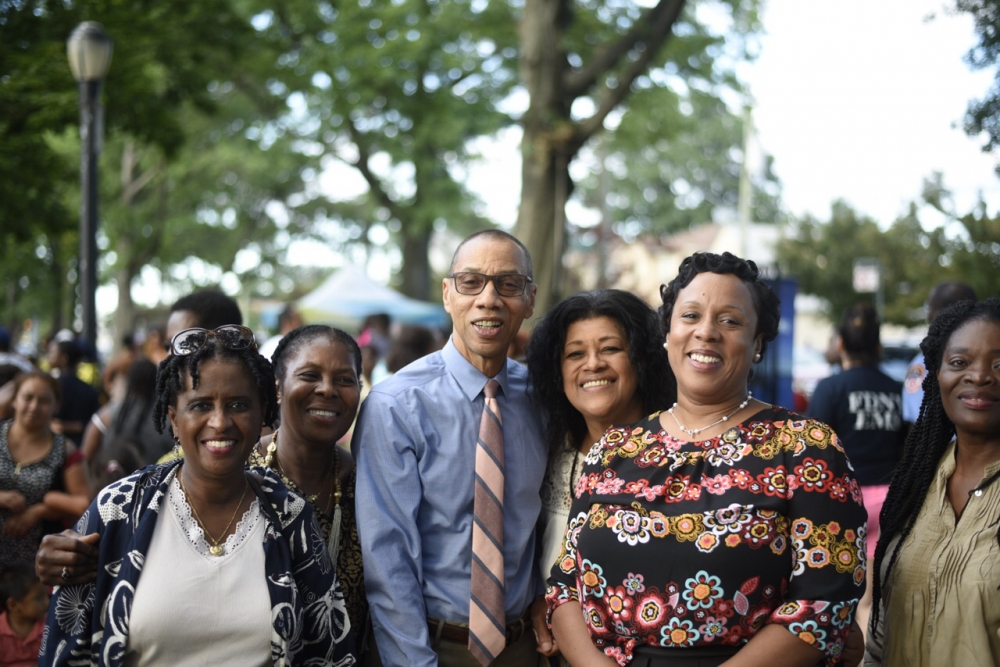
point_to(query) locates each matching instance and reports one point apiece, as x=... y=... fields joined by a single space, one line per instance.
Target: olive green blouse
x=942 y=604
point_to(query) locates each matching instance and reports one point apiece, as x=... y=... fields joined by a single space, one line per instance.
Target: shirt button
x=979 y=492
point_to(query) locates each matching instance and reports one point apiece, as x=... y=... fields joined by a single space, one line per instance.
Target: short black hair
x=498 y=234
x=16 y=581
x=170 y=378
x=71 y=350
x=765 y=301
x=655 y=381
x=926 y=443
x=296 y=338
x=859 y=333
x=211 y=308
x=946 y=294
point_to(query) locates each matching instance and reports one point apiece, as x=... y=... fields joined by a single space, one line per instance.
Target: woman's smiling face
x=712 y=338
x=598 y=377
x=219 y=421
x=969 y=378
x=320 y=392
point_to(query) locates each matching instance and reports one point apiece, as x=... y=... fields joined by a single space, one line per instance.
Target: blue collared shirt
x=415 y=448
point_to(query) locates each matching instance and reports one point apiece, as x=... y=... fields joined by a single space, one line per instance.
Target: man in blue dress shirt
x=415 y=448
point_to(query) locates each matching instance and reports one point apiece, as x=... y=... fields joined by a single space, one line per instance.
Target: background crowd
x=677 y=519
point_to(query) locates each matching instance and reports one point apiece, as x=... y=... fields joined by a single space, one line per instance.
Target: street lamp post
x=89 y=51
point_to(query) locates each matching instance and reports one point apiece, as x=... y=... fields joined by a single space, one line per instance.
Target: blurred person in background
x=42 y=475
x=7 y=357
x=409 y=343
x=131 y=418
x=23 y=602
x=117 y=459
x=863 y=406
x=79 y=400
x=156 y=343
x=937 y=564
x=288 y=320
x=941 y=296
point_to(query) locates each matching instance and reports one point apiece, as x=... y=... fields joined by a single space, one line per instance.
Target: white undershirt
x=194 y=609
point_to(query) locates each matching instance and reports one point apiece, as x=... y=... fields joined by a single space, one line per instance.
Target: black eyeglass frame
x=487 y=279
x=246 y=339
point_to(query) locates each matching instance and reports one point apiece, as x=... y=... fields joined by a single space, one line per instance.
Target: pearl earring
x=756 y=357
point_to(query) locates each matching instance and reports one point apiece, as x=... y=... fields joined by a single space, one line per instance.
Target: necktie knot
x=491 y=388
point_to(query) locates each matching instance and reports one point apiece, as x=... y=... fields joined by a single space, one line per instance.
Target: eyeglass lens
x=510 y=284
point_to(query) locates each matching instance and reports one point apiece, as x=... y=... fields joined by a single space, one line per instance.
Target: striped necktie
x=487 y=621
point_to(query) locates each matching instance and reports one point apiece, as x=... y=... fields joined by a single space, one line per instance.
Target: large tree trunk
x=551 y=138
x=416 y=268
x=546 y=148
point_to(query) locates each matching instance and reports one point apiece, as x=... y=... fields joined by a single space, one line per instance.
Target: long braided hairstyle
x=170 y=378
x=926 y=442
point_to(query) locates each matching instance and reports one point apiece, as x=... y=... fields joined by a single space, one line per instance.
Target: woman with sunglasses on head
x=202 y=560
x=318 y=370
x=936 y=599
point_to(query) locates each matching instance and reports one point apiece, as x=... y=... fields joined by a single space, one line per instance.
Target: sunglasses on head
x=230 y=336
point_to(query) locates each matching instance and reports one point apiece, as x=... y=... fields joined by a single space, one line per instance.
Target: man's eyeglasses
x=231 y=336
x=471 y=283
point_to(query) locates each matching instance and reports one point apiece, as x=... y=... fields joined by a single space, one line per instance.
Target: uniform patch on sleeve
x=914 y=378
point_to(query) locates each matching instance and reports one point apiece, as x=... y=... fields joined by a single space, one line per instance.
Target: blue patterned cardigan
x=88 y=624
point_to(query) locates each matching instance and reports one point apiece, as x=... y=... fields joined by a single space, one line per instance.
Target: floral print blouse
x=687 y=544
x=88 y=624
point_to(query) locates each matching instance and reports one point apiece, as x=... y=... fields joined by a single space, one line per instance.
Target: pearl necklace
x=695 y=431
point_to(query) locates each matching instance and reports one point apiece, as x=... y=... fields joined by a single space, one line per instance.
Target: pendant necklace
x=695 y=431
x=216 y=549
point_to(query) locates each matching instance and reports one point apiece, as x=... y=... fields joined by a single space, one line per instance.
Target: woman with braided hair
x=935 y=599
x=203 y=560
x=318 y=369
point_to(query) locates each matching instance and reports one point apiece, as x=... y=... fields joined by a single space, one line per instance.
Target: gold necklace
x=216 y=549
x=272 y=454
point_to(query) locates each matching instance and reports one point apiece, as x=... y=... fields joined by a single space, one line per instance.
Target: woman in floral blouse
x=722 y=529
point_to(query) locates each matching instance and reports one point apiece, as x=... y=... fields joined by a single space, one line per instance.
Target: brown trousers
x=521 y=653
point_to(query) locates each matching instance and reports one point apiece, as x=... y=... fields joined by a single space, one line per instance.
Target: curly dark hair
x=170 y=378
x=926 y=442
x=655 y=380
x=765 y=302
x=291 y=342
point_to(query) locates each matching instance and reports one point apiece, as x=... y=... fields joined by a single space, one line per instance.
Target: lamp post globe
x=89 y=52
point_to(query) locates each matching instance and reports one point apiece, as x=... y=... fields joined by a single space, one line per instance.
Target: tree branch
x=362 y=165
x=612 y=97
x=652 y=29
